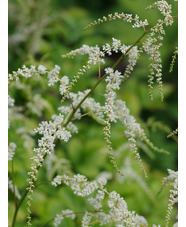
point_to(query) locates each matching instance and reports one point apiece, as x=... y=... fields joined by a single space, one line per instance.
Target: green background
x=39 y=33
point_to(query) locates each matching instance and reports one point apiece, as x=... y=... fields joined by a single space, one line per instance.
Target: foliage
x=40 y=32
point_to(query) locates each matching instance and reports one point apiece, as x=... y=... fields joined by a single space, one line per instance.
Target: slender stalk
x=102 y=78
x=18 y=206
x=13 y=183
x=81 y=116
x=71 y=114
x=47 y=222
x=21 y=200
x=97 y=93
x=71 y=101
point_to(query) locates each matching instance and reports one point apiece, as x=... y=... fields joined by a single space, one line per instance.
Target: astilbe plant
x=108 y=208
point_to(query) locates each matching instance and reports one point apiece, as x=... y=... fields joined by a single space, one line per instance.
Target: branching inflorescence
x=173 y=59
x=61 y=126
x=117 y=211
x=171 y=180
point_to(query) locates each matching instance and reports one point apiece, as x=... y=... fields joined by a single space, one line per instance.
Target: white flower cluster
x=42 y=69
x=95 y=54
x=64 y=85
x=116 y=47
x=122 y=113
x=96 y=202
x=64 y=214
x=174 y=56
x=117 y=211
x=68 y=86
x=37 y=105
x=172 y=180
x=53 y=75
x=113 y=81
x=24 y=72
x=107 y=133
x=122 y=16
x=50 y=131
x=165 y=10
x=133 y=128
x=27 y=72
x=54 y=165
x=72 y=128
x=114 y=198
x=107 y=49
x=105 y=174
x=152 y=44
x=15 y=112
x=151 y=47
x=90 y=105
x=53 y=130
x=26 y=135
x=139 y=23
x=11 y=149
x=79 y=184
x=14 y=189
x=86 y=219
x=133 y=57
x=10 y=101
x=67 y=109
x=116 y=44
x=175 y=224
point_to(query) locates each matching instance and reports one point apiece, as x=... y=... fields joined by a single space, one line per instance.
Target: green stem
x=18 y=206
x=70 y=116
x=47 y=222
x=21 y=200
x=102 y=78
x=13 y=183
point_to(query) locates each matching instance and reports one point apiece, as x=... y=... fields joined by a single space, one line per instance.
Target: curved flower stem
x=102 y=78
x=85 y=114
x=13 y=181
x=18 y=206
x=21 y=200
x=70 y=116
x=47 y=222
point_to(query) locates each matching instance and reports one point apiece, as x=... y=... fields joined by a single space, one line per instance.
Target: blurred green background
x=39 y=33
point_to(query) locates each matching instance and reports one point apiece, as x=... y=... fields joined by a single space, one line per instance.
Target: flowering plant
x=102 y=207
